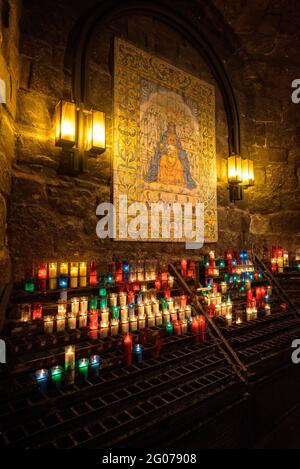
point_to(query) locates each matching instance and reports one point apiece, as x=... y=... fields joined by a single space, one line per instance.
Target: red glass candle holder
x=37 y=312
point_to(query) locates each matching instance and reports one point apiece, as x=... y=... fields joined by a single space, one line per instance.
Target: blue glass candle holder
x=138 y=353
x=63 y=281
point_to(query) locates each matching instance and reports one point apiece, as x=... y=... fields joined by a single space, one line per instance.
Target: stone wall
x=53 y=216
x=9 y=73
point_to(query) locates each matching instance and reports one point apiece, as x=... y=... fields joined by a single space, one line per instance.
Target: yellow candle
x=84 y=303
x=74 y=275
x=26 y=313
x=82 y=320
x=48 y=324
x=151 y=321
x=114 y=327
x=53 y=275
x=133 y=324
x=75 y=305
x=71 y=321
x=103 y=329
x=158 y=319
x=125 y=327
x=124 y=314
x=64 y=268
x=70 y=357
x=83 y=274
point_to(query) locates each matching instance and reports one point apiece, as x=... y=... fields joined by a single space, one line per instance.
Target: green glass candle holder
x=169 y=328
x=115 y=311
x=103 y=303
x=102 y=292
x=164 y=304
x=29 y=286
x=93 y=302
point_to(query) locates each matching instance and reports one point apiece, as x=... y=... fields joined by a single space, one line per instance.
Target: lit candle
x=93 y=324
x=124 y=314
x=115 y=311
x=74 y=275
x=95 y=363
x=171 y=281
x=151 y=320
x=173 y=315
x=283 y=307
x=142 y=322
x=158 y=319
x=125 y=327
x=42 y=277
x=26 y=313
x=123 y=299
x=83 y=368
x=37 y=312
x=127 y=349
x=202 y=327
x=48 y=324
x=141 y=310
x=64 y=268
x=104 y=329
x=181 y=314
x=113 y=299
x=133 y=324
x=184 y=326
x=41 y=377
x=93 y=274
x=169 y=328
x=223 y=288
x=70 y=357
x=114 y=327
x=177 y=327
x=155 y=307
x=52 y=275
x=182 y=302
x=56 y=374
x=267 y=309
x=84 y=302
x=138 y=353
x=249 y=314
x=83 y=274
x=75 y=305
x=82 y=319
x=195 y=329
x=93 y=302
x=229 y=319
x=72 y=321
x=148 y=308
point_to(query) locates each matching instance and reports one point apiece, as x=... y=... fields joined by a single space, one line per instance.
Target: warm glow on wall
x=234 y=169
x=95 y=140
x=65 y=124
x=248 y=173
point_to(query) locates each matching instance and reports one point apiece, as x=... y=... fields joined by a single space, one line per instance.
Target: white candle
x=75 y=305
x=70 y=357
x=71 y=321
x=158 y=319
x=48 y=324
x=114 y=327
x=125 y=327
x=155 y=307
x=103 y=329
x=84 y=303
x=124 y=313
x=122 y=299
x=133 y=324
x=151 y=321
x=113 y=300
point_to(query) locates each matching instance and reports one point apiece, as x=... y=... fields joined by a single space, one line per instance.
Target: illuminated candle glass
x=158 y=284
x=70 y=357
x=63 y=281
x=56 y=374
x=141 y=310
x=181 y=314
x=283 y=307
x=29 y=285
x=195 y=329
x=142 y=322
x=188 y=311
x=171 y=281
x=158 y=319
x=151 y=320
x=61 y=319
x=37 y=312
x=124 y=314
x=173 y=315
x=48 y=324
x=184 y=326
x=138 y=353
x=64 y=268
x=82 y=321
x=26 y=313
x=72 y=321
x=113 y=299
x=52 y=275
x=235 y=169
x=42 y=277
x=115 y=312
x=83 y=368
x=93 y=302
x=164 y=304
x=114 y=327
x=83 y=274
x=74 y=275
x=249 y=314
x=267 y=309
x=229 y=319
x=93 y=274
x=167 y=317
x=104 y=329
x=75 y=305
x=84 y=303
x=239 y=317
x=41 y=377
x=127 y=349
x=125 y=327
x=155 y=307
x=123 y=299
x=95 y=364
x=182 y=302
x=102 y=292
x=93 y=320
x=177 y=327
x=133 y=324
x=169 y=328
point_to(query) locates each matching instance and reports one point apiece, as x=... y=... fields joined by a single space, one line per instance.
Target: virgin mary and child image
x=170 y=164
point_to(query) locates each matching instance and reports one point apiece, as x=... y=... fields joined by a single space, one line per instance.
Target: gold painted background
x=148 y=94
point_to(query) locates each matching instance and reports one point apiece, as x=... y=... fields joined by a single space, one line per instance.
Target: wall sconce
x=240 y=176
x=79 y=132
x=248 y=173
x=65 y=124
x=95 y=139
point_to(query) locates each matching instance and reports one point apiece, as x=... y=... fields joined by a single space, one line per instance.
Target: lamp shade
x=248 y=173
x=234 y=169
x=95 y=138
x=65 y=124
